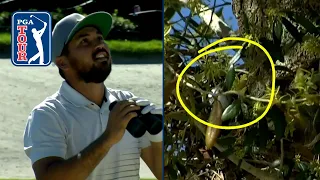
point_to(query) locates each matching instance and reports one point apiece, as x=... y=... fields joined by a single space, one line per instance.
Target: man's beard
x=95 y=74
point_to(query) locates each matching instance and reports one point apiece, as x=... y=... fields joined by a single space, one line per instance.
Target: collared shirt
x=67 y=122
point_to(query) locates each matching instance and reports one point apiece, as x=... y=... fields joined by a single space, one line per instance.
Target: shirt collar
x=76 y=98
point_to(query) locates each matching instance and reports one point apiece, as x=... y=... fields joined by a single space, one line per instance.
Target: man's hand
x=152 y=155
x=149 y=107
x=119 y=118
x=52 y=168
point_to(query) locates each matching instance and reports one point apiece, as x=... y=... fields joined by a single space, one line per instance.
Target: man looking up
x=72 y=134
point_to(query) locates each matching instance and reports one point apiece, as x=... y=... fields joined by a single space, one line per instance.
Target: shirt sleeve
x=144 y=141
x=44 y=136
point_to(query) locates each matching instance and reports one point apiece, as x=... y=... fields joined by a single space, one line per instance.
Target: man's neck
x=92 y=91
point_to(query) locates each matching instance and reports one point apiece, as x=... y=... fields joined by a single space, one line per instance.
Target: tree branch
x=244 y=165
x=185 y=82
x=261 y=99
x=313 y=142
x=282 y=154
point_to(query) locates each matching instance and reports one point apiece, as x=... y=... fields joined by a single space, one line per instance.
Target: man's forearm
x=80 y=167
x=158 y=154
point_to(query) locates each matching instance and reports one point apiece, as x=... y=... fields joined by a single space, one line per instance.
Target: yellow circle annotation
x=222 y=49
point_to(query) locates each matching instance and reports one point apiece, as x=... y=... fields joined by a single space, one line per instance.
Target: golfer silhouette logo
x=31 y=38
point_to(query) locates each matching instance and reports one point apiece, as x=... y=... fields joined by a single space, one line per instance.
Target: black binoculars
x=138 y=126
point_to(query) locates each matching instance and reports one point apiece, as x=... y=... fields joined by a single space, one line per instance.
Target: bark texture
x=254 y=18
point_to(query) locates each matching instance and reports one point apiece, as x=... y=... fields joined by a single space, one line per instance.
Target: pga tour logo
x=31 y=38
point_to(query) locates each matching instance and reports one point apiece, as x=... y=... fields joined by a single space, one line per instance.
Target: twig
x=257 y=99
x=169 y=67
x=207 y=28
x=187 y=25
x=202 y=173
x=217 y=174
x=260 y=99
x=242 y=71
x=248 y=96
x=313 y=142
x=228 y=92
x=259 y=162
x=198 y=89
x=282 y=154
x=244 y=165
x=186 y=20
x=212 y=178
x=220 y=5
x=174 y=22
x=186 y=83
x=297 y=101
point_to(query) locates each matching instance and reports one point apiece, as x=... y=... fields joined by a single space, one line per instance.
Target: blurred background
x=128 y=15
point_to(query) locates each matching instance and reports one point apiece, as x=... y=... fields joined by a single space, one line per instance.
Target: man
x=72 y=134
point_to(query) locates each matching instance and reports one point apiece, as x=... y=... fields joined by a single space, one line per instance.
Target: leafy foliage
x=120 y=24
x=285 y=141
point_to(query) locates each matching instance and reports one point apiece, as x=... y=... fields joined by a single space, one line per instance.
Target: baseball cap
x=68 y=26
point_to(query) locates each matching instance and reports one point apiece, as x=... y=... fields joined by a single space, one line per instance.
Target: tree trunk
x=254 y=18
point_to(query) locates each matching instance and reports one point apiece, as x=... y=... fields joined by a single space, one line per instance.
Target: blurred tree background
x=140 y=26
x=234 y=87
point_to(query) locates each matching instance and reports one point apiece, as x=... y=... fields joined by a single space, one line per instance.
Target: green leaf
x=282 y=68
x=316 y=121
x=245 y=111
x=181 y=168
x=301 y=176
x=316 y=148
x=274 y=49
x=192 y=102
x=303 y=166
x=226 y=140
x=236 y=57
x=288 y=46
x=292 y=29
x=316 y=79
x=250 y=136
x=247 y=148
x=167 y=30
x=309 y=26
x=219 y=12
x=277 y=32
x=307 y=112
x=309 y=178
x=232 y=110
x=181 y=38
x=169 y=13
x=230 y=77
x=279 y=121
x=172 y=173
x=264 y=133
x=227 y=152
x=179 y=116
x=193 y=23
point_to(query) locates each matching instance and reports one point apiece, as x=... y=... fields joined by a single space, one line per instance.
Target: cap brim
x=100 y=20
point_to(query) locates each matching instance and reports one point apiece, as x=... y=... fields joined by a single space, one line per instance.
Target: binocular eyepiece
x=138 y=126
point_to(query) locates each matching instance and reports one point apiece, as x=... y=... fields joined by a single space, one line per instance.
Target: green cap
x=68 y=26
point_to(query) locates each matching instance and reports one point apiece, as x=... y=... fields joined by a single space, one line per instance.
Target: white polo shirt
x=66 y=123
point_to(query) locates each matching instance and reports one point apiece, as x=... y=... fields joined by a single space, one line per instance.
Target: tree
x=282 y=145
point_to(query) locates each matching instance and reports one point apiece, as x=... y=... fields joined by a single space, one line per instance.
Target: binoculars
x=138 y=126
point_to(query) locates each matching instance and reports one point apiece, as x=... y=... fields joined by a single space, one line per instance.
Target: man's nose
x=100 y=46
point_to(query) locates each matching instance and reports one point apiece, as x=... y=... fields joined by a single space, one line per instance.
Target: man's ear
x=62 y=62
